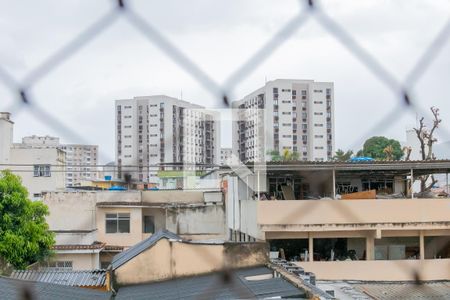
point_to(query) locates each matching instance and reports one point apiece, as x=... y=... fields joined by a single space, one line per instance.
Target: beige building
x=41 y=169
x=388 y=236
x=92 y=227
x=81 y=160
x=6 y=137
x=166 y=256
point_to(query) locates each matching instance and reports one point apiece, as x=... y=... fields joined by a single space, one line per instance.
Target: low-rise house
x=166 y=266
x=299 y=208
x=92 y=227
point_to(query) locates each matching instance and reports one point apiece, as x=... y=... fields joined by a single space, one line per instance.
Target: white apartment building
x=6 y=137
x=285 y=114
x=81 y=160
x=152 y=130
x=225 y=156
x=41 y=168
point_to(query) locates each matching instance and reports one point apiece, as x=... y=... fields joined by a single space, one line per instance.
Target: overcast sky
x=218 y=36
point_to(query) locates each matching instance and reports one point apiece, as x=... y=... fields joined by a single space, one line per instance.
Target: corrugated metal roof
x=213 y=286
x=13 y=289
x=128 y=254
x=94 y=278
x=405 y=290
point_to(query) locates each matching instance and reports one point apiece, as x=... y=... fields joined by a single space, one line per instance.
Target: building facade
x=285 y=115
x=226 y=156
x=81 y=160
x=156 y=130
x=92 y=227
x=42 y=169
x=6 y=137
x=340 y=220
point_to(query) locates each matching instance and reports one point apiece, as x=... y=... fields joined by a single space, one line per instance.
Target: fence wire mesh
x=402 y=90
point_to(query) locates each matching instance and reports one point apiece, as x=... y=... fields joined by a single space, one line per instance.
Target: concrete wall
x=172 y=196
x=90 y=208
x=71 y=210
x=248 y=218
x=80 y=261
x=382 y=270
x=167 y=260
x=118 y=196
x=202 y=220
x=75 y=238
x=38 y=156
x=310 y=212
x=121 y=239
x=6 y=137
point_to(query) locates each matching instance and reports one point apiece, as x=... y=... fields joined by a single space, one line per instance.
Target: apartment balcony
x=393 y=238
x=369 y=214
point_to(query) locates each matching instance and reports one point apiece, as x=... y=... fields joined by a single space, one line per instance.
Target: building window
x=42 y=171
x=148 y=226
x=59 y=265
x=118 y=223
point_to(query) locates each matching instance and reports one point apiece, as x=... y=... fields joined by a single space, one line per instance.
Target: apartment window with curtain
x=117 y=223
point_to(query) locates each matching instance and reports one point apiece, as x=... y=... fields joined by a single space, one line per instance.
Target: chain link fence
x=402 y=90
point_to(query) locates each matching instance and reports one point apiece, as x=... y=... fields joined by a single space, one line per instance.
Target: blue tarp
x=117 y=188
x=361 y=158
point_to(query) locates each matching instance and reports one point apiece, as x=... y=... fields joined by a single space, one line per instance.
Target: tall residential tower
x=156 y=130
x=285 y=114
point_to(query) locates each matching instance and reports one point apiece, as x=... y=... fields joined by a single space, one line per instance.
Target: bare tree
x=407 y=151
x=427 y=140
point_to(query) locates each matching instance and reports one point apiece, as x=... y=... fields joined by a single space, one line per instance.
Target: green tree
x=340 y=155
x=24 y=234
x=287 y=155
x=382 y=148
x=275 y=155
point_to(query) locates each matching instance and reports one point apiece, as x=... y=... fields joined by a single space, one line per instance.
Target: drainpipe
x=334 y=183
x=422 y=245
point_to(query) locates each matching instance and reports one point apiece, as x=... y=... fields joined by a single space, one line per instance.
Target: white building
x=42 y=169
x=159 y=129
x=225 y=156
x=81 y=163
x=81 y=160
x=6 y=137
x=285 y=114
